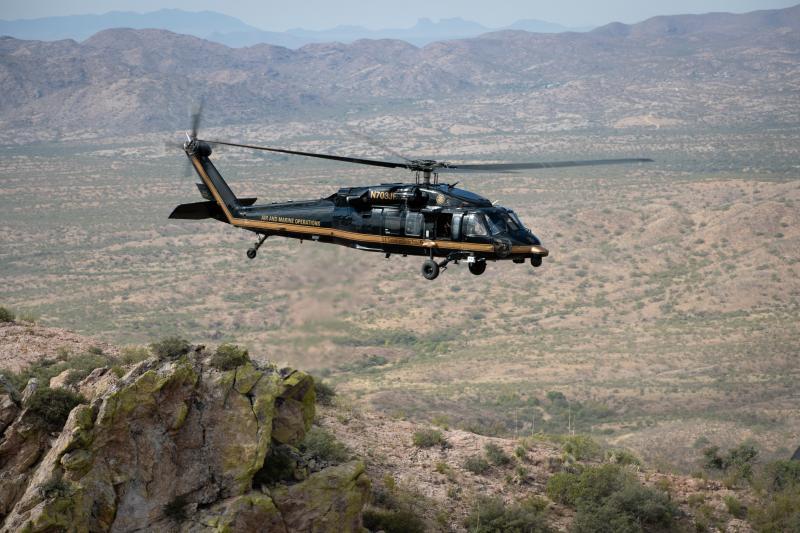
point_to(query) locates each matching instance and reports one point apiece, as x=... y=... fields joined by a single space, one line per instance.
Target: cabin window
x=456 y=230
x=474 y=226
x=414 y=223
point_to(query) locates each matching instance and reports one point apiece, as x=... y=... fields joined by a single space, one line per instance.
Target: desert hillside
x=180 y=437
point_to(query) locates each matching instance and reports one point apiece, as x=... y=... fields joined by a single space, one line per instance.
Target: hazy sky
x=318 y=14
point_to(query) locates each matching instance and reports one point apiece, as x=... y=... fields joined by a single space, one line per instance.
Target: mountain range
x=233 y=32
x=720 y=68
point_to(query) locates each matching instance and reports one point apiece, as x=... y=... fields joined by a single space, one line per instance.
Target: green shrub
x=323 y=445
x=608 y=498
x=782 y=475
x=170 y=348
x=426 y=438
x=49 y=408
x=581 y=447
x=325 y=392
x=6 y=315
x=46 y=369
x=279 y=465
x=735 y=507
x=133 y=354
x=491 y=515
x=228 y=357
x=622 y=457
x=27 y=316
x=496 y=455
x=780 y=512
x=476 y=464
x=175 y=510
x=737 y=463
x=393 y=521
x=562 y=488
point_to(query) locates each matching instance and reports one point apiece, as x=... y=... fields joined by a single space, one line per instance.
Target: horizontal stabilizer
x=202 y=210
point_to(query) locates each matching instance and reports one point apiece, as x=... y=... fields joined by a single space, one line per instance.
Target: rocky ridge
x=173 y=445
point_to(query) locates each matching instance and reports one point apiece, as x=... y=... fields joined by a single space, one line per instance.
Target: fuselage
x=407 y=219
x=394 y=218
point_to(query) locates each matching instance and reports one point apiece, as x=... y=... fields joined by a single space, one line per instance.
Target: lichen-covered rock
x=251 y=512
x=23 y=444
x=97 y=383
x=177 y=433
x=328 y=501
x=295 y=412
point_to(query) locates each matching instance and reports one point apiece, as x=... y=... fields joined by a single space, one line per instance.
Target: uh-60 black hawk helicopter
x=425 y=218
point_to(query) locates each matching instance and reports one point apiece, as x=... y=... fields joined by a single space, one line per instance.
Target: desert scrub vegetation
x=427 y=438
x=578 y=447
x=394 y=508
x=49 y=408
x=6 y=315
x=43 y=369
x=736 y=464
x=490 y=515
x=324 y=391
x=476 y=464
x=229 y=356
x=778 y=508
x=322 y=445
x=130 y=355
x=393 y=520
x=496 y=455
x=170 y=347
x=609 y=498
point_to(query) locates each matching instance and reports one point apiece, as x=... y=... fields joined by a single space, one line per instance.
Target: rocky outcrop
x=175 y=445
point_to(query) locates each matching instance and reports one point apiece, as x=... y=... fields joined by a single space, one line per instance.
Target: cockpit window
x=497 y=222
x=514 y=222
x=474 y=226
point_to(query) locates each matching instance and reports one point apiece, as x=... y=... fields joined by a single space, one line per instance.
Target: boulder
x=29 y=389
x=328 y=501
x=97 y=383
x=62 y=380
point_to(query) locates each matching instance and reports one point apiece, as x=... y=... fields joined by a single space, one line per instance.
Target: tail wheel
x=430 y=269
x=251 y=253
x=478 y=267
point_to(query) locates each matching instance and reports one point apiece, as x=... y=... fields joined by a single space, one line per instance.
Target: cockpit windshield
x=502 y=222
x=515 y=219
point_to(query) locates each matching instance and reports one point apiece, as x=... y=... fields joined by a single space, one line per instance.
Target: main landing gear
x=431 y=269
x=477 y=268
x=251 y=252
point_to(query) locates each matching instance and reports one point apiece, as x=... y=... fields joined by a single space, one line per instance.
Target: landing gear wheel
x=430 y=269
x=536 y=260
x=478 y=267
x=251 y=253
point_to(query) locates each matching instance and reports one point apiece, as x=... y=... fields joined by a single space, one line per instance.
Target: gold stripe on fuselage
x=337 y=233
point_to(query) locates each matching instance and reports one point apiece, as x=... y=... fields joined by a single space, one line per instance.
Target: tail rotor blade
x=197 y=112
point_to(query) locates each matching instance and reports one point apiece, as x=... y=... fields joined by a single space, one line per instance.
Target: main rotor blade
x=510 y=167
x=386 y=164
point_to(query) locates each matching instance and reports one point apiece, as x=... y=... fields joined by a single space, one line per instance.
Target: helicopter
x=438 y=221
